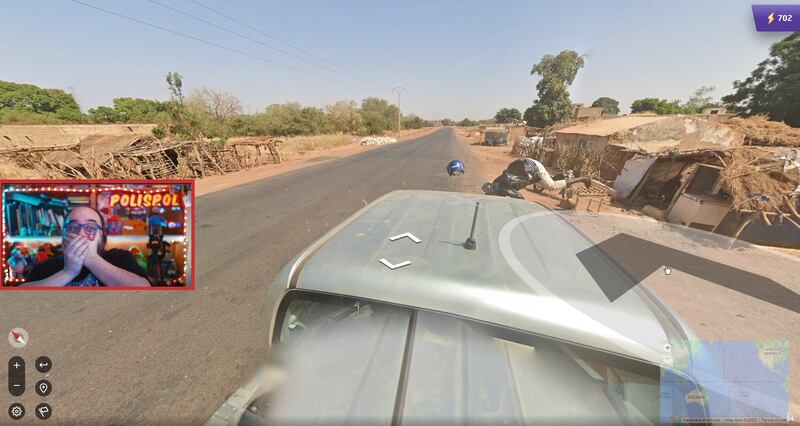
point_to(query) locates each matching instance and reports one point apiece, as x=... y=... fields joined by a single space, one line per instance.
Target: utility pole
x=399 y=91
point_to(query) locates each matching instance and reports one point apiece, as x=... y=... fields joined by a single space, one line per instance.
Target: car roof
x=524 y=273
x=429 y=368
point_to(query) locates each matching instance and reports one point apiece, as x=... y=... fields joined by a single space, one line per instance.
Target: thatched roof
x=609 y=126
x=760 y=179
x=100 y=147
x=759 y=130
x=34 y=137
x=19 y=136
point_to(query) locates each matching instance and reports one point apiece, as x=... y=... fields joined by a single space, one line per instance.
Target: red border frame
x=190 y=182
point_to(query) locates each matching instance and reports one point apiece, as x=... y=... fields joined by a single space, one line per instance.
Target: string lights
x=11 y=188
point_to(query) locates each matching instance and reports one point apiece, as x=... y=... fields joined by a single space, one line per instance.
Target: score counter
x=776 y=17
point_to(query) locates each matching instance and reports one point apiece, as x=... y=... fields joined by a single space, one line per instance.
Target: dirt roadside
x=217 y=183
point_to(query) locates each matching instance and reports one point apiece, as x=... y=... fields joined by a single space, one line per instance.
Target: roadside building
x=613 y=141
x=736 y=177
x=500 y=135
x=581 y=113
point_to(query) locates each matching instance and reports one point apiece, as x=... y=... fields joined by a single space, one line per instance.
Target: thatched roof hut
x=762 y=179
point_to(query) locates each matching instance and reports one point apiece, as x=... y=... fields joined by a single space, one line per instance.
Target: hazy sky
x=455 y=58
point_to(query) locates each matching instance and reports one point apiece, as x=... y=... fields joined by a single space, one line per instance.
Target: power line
x=217 y=45
x=250 y=38
x=286 y=43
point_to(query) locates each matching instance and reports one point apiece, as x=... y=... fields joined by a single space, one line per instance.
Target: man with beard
x=85 y=262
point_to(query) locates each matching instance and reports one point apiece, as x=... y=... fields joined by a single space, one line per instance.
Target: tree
x=413 y=121
x=104 y=114
x=379 y=115
x=553 y=104
x=467 y=123
x=508 y=115
x=610 y=106
x=129 y=110
x=344 y=117
x=447 y=122
x=220 y=105
x=657 y=106
x=33 y=103
x=175 y=84
x=773 y=88
x=700 y=100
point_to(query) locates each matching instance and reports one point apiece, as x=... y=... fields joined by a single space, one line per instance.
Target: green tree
x=508 y=115
x=447 y=122
x=610 y=106
x=104 y=114
x=39 y=104
x=413 y=121
x=553 y=104
x=379 y=115
x=345 y=117
x=657 y=106
x=175 y=84
x=700 y=100
x=773 y=88
x=467 y=123
x=129 y=110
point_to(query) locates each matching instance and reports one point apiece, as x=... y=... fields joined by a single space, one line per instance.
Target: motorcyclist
x=526 y=171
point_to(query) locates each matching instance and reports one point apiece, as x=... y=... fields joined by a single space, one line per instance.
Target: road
x=155 y=357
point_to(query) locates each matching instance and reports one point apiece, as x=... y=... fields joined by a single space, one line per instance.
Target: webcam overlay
x=96 y=234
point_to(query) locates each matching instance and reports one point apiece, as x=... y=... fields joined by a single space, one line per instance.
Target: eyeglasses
x=75 y=228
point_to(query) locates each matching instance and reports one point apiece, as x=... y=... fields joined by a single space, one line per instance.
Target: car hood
x=524 y=273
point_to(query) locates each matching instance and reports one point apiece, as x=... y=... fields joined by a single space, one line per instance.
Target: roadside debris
x=378 y=140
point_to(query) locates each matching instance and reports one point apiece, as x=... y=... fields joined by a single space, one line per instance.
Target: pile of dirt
x=759 y=130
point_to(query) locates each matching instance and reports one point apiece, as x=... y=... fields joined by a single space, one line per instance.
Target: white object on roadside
x=378 y=140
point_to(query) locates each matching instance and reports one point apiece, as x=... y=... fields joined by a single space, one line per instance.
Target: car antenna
x=470 y=243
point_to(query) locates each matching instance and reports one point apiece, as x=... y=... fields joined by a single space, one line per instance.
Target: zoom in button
x=16 y=376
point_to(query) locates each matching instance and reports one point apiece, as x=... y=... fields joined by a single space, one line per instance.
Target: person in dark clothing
x=523 y=172
x=84 y=262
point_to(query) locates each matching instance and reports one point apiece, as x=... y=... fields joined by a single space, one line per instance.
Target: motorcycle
x=508 y=185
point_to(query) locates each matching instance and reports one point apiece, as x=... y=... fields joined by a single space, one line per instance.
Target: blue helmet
x=455 y=167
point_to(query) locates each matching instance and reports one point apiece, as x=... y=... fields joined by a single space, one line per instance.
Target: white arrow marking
x=407 y=234
x=387 y=264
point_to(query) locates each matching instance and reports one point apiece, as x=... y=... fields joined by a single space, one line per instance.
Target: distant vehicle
x=389 y=319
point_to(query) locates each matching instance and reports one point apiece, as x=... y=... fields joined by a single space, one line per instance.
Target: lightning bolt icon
x=771 y=17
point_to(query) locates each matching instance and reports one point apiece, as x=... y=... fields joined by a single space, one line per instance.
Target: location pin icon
x=43 y=388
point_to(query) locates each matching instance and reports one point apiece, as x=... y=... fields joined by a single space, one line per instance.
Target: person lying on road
x=523 y=172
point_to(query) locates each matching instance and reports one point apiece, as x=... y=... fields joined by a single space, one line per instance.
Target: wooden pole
x=199 y=160
x=743 y=225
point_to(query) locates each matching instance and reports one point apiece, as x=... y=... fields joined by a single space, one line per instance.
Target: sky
x=455 y=59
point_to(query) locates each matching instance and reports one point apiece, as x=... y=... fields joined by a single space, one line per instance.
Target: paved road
x=174 y=357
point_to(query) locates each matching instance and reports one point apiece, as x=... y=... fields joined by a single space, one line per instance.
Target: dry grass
x=301 y=144
x=759 y=130
x=755 y=171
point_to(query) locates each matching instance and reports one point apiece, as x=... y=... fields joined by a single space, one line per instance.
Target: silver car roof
x=524 y=273
x=393 y=366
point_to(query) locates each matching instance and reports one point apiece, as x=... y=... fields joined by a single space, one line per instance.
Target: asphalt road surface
x=166 y=357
